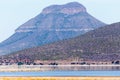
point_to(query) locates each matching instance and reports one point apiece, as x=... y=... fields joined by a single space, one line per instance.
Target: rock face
x=54 y=23
x=70 y=8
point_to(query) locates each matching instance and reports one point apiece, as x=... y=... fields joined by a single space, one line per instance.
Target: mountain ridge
x=102 y=44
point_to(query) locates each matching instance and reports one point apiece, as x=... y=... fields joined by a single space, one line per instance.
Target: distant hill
x=54 y=23
x=100 y=44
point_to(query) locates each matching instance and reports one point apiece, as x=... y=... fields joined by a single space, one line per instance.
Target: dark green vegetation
x=100 y=44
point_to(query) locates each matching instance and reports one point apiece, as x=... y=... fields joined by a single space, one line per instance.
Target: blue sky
x=13 y=13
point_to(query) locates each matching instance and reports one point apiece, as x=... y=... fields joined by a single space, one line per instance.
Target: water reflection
x=77 y=68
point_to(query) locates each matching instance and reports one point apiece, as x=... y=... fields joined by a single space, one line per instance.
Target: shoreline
x=59 y=65
x=30 y=68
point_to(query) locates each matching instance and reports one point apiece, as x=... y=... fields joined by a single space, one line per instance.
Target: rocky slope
x=102 y=44
x=54 y=23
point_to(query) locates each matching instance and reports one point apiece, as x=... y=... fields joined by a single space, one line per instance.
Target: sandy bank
x=59 y=78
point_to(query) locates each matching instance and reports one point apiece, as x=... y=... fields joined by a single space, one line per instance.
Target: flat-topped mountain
x=102 y=44
x=70 y=8
x=54 y=23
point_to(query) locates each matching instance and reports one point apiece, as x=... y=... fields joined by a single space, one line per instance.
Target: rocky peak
x=70 y=8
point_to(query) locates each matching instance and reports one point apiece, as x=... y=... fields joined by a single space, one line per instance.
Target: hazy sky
x=13 y=13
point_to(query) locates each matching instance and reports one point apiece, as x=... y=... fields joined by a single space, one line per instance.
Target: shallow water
x=62 y=73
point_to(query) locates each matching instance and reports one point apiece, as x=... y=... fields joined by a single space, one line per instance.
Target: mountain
x=102 y=44
x=54 y=23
